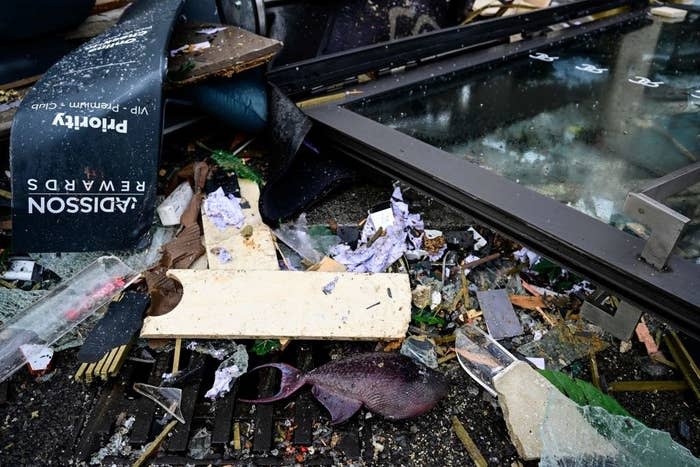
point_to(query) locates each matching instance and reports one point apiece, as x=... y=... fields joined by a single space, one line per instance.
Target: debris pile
x=209 y=333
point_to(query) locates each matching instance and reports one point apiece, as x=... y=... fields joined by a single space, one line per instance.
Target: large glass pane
x=583 y=123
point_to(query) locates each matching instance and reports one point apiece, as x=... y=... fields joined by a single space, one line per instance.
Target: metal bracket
x=620 y=325
x=666 y=224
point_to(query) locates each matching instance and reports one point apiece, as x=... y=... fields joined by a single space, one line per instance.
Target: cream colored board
x=256 y=253
x=285 y=304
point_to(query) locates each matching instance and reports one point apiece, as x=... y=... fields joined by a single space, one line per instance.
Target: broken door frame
x=318 y=74
x=587 y=246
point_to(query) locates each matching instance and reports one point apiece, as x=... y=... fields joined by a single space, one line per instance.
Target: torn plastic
x=219 y=350
x=168 y=398
x=85 y=141
x=299 y=237
x=591 y=436
x=228 y=372
x=61 y=310
x=481 y=356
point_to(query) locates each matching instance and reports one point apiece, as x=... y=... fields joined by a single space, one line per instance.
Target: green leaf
x=229 y=161
x=428 y=318
x=583 y=392
x=265 y=346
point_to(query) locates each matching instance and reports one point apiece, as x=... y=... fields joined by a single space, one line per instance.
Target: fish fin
x=340 y=407
x=292 y=380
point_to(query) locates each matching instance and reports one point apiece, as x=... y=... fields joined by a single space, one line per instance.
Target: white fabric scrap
x=224 y=210
x=405 y=234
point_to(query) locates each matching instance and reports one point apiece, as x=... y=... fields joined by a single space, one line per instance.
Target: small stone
x=247 y=231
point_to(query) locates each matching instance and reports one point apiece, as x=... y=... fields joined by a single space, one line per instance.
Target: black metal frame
x=303 y=78
x=587 y=246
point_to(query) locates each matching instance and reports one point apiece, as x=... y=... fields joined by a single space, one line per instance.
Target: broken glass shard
x=481 y=356
x=587 y=436
x=168 y=398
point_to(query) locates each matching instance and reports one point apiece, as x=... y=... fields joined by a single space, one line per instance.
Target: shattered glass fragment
x=168 y=398
x=420 y=350
x=481 y=356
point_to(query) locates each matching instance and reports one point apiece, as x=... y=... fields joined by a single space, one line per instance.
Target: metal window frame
x=595 y=250
x=315 y=75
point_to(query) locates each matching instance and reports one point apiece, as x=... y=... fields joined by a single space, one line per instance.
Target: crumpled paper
x=228 y=372
x=224 y=210
x=404 y=234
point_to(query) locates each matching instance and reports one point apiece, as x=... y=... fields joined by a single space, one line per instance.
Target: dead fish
x=391 y=385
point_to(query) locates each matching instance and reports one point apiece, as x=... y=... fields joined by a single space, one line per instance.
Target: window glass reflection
x=583 y=123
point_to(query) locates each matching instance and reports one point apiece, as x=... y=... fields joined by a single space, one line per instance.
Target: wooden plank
x=144 y=408
x=255 y=253
x=304 y=409
x=279 y=304
x=223 y=419
x=232 y=51
x=262 y=439
x=90 y=437
x=181 y=433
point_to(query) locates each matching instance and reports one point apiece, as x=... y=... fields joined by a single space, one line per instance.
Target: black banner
x=86 y=140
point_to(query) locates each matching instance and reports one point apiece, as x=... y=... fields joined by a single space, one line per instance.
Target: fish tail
x=292 y=380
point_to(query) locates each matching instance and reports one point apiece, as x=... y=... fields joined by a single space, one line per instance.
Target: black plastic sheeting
x=300 y=173
x=86 y=140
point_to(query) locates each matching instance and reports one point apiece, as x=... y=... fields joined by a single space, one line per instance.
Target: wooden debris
x=685 y=362
x=480 y=261
x=647 y=386
x=232 y=51
x=468 y=443
x=527 y=302
x=278 y=304
x=255 y=253
x=153 y=446
x=176 y=356
x=107 y=367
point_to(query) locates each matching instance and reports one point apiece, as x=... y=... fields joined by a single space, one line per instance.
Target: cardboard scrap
x=223 y=304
